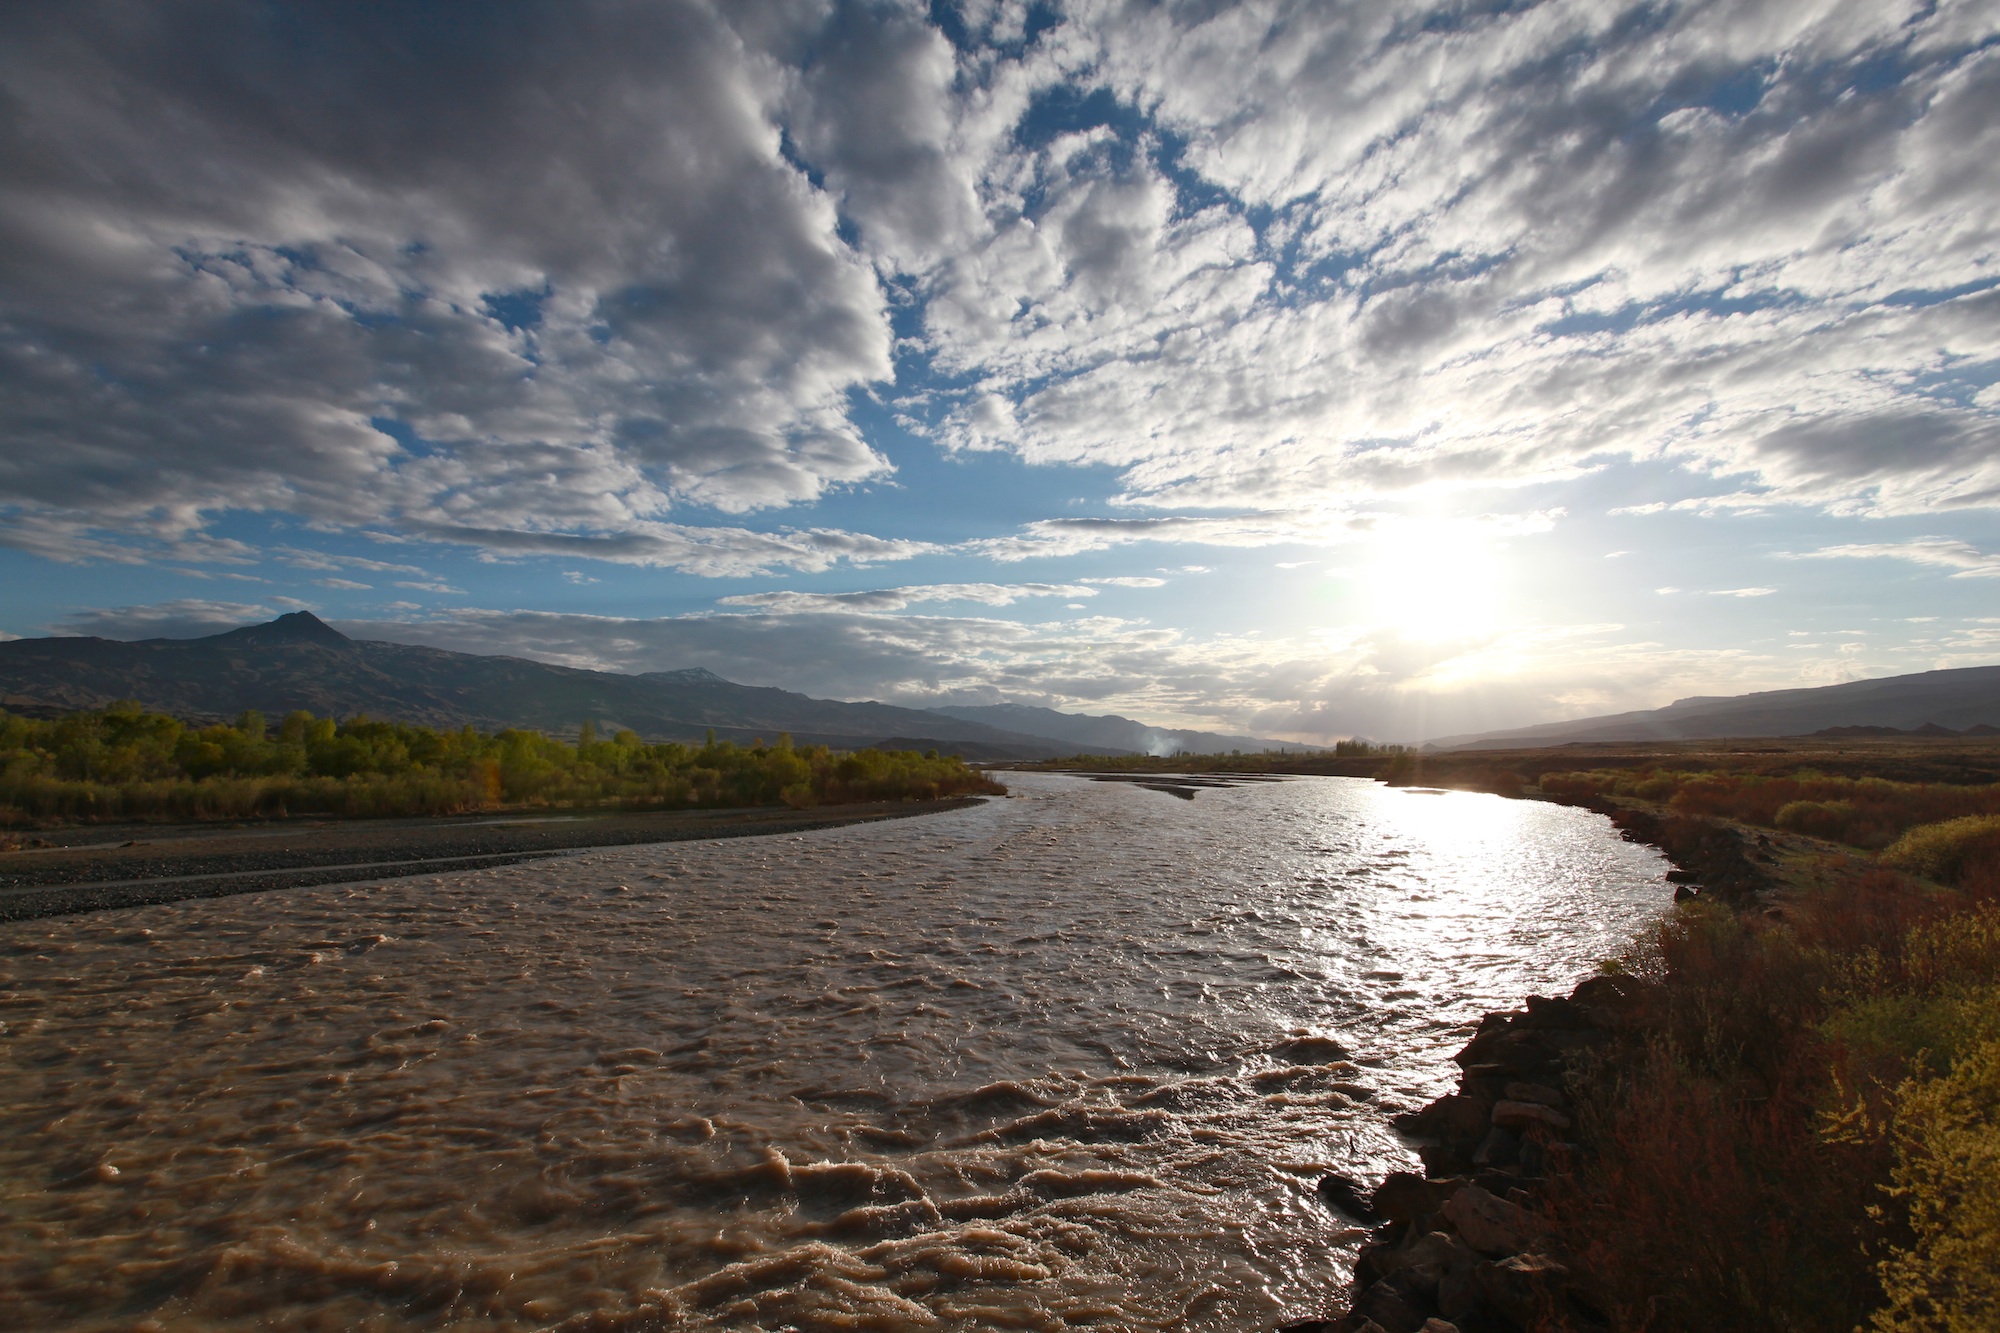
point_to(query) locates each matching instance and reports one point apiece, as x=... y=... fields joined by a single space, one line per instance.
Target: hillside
x=1104 y=734
x=298 y=661
x=1950 y=701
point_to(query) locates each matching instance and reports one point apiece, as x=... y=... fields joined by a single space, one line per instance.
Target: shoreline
x=1486 y=1238
x=175 y=863
x=1463 y=1246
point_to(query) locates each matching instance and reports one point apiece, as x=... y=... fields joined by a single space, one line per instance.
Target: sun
x=1433 y=580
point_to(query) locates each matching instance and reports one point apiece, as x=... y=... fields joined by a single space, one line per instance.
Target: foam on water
x=1072 y=1059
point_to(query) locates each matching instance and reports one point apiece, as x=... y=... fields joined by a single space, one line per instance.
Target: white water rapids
x=1076 y=1058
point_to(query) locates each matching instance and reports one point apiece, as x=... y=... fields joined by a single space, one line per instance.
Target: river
x=1075 y=1058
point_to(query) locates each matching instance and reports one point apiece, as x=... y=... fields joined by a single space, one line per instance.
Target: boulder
x=1346 y=1194
x=1404 y=1197
x=1524 y=1289
x=1489 y=1224
x=1450 y=1119
x=1533 y=1092
x=1519 y=1116
x=1557 y=1011
x=1500 y=1148
x=1396 y=1303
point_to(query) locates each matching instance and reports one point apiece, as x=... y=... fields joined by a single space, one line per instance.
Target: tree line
x=125 y=762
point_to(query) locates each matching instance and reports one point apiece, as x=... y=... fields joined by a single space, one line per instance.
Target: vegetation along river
x=1076 y=1058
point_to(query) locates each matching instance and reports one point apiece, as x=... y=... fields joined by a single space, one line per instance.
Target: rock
x=1606 y=988
x=1346 y=1194
x=1519 y=1116
x=1445 y=1160
x=1533 y=1092
x=1558 y=1011
x=1488 y=1224
x=1392 y=1304
x=1523 y=1051
x=1451 y=1118
x=1403 y=1197
x=1438 y=1326
x=1500 y=1147
x=1524 y=1289
x=1612 y=1000
x=1686 y=893
x=1422 y=1261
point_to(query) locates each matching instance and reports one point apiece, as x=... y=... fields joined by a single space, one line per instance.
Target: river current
x=1075 y=1058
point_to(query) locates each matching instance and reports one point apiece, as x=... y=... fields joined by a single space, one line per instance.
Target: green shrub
x=1946 y=851
x=1947 y=1135
x=122 y=763
x=1818 y=819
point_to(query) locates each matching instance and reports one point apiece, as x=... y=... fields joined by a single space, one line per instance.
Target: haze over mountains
x=1955 y=700
x=298 y=661
x=1109 y=734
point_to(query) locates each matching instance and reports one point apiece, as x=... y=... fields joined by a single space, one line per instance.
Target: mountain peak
x=295 y=627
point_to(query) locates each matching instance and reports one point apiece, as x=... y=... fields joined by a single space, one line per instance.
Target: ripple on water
x=1076 y=1058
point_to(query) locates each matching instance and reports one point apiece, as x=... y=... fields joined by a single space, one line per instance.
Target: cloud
x=1344 y=252
x=609 y=274
x=895 y=599
x=1073 y=536
x=302 y=559
x=566 y=280
x=1965 y=560
x=1128 y=581
x=182 y=618
x=1312 y=688
x=422 y=586
x=712 y=552
x=1740 y=592
x=347 y=584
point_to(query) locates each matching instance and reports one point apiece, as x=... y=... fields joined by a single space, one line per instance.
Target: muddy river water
x=1073 y=1058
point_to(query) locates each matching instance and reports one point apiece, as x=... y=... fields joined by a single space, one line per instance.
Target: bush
x=1946 y=852
x=1818 y=819
x=1861 y=812
x=123 y=763
x=1947 y=1139
x=1800 y=1098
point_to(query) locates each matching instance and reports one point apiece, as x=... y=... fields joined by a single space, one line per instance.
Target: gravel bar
x=168 y=864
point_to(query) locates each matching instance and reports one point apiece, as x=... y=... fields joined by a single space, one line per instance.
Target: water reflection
x=1072 y=1059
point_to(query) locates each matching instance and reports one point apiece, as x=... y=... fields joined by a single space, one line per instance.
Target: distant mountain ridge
x=1958 y=700
x=299 y=661
x=1107 y=733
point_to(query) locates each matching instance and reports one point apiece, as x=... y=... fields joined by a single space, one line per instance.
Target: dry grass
x=1791 y=1143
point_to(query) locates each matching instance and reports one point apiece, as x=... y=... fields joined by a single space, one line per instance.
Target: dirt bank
x=101 y=868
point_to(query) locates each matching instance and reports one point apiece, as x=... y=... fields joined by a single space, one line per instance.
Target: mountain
x=1953 y=701
x=299 y=661
x=1107 y=734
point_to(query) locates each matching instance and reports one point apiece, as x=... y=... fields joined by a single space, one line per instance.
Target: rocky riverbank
x=1465 y=1247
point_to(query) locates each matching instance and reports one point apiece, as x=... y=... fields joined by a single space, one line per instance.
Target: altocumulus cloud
x=1356 y=250
x=533 y=277
x=483 y=274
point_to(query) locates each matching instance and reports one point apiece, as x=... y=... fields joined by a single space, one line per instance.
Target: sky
x=1312 y=370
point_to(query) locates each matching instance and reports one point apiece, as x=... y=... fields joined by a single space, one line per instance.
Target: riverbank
x=1779 y=1110
x=99 y=868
